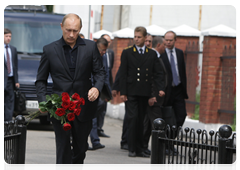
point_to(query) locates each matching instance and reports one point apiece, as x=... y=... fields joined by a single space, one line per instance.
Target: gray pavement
x=40 y=147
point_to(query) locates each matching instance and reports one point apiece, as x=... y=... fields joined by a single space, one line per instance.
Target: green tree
x=49 y=8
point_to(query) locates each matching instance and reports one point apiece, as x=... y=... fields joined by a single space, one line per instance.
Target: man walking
x=71 y=61
x=138 y=65
x=109 y=57
x=10 y=75
x=173 y=60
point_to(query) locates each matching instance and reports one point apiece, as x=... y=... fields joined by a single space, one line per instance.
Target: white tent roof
x=124 y=33
x=220 y=30
x=156 y=30
x=98 y=34
x=185 y=30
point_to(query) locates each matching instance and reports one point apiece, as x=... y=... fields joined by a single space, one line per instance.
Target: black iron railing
x=187 y=146
x=15 y=140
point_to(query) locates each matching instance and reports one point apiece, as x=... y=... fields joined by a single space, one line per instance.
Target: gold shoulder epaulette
x=127 y=47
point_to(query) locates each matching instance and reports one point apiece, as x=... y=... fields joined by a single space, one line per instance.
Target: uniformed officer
x=138 y=65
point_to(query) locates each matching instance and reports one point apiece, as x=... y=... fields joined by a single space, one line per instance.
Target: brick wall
x=118 y=45
x=211 y=87
x=191 y=61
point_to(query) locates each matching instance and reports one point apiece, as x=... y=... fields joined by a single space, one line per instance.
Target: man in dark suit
x=71 y=61
x=176 y=90
x=138 y=65
x=10 y=75
x=155 y=103
x=109 y=57
x=102 y=45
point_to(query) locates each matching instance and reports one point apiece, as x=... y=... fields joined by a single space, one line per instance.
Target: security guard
x=138 y=65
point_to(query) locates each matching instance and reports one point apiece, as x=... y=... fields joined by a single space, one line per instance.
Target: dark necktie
x=174 y=71
x=141 y=51
x=8 y=60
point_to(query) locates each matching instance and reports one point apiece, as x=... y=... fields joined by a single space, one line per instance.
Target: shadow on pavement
x=36 y=125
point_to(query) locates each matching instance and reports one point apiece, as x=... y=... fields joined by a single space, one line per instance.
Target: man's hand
x=93 y=94
x=161 y=93
x=17 y=85
x=124 y=98
x=114 y=93
x=151 y=101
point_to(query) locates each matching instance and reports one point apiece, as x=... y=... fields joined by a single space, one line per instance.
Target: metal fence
x=15 y=140
x=192 y=147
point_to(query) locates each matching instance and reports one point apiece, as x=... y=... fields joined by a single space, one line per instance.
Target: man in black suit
x=138 y=65
x=109 y=56
x=71 y=61
x=154 y=103
x=102 y=45
x=176 y=90
x=10 y=75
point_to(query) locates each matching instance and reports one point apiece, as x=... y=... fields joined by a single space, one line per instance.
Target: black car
x=31 y=30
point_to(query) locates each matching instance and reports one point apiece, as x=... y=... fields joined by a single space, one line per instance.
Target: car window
x=30 y=37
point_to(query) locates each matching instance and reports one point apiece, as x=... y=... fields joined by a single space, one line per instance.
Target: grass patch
x=233 y=126
x=196 y=112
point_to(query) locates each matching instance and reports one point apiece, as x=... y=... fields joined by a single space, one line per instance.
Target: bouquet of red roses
x=62 y=108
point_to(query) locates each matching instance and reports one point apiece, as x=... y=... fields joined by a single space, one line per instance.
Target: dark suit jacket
x=111 y=62
x=14 y=65
x=155 y=92
x=136 y=72
x=88 y=62
x=181 y=70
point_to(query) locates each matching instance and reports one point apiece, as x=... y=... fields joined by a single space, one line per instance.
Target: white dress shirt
x=138 y=48
x=168 y=51
x=10 y=56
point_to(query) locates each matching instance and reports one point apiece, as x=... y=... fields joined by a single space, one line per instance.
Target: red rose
x=65 y=96
x=77 y=111
x=66 y=126
x=82 y=101
x=71 y=116
x=60 y=112
x=72 y=105
x=75 y=96
x=66 y=104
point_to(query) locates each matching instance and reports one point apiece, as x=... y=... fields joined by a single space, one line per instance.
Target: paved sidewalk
x=40 y=147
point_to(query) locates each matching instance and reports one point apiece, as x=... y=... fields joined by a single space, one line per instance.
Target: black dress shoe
x=171 y=152
x=102 y=134
x=90 y=148
x=142 y=154
x=98 y=146
x=147 y=151
x=125 y=147
x=131 y=154
x=175 y=152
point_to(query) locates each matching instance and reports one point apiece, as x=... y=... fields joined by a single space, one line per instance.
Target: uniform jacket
x=137 y=70
x=88 y=62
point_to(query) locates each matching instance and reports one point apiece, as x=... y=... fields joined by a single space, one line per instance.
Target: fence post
x=225 y=132
x=158 y=146
x=22 y=139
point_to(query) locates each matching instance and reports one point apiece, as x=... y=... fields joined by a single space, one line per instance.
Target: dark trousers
x=153 y=112
x=101 y=113
x=177 y=101
x=94 y=134
x=136 y=110
x=124 y=129
x=80 y=132
x=9 y=100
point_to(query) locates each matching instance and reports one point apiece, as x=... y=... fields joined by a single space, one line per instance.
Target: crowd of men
x=152 y=74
